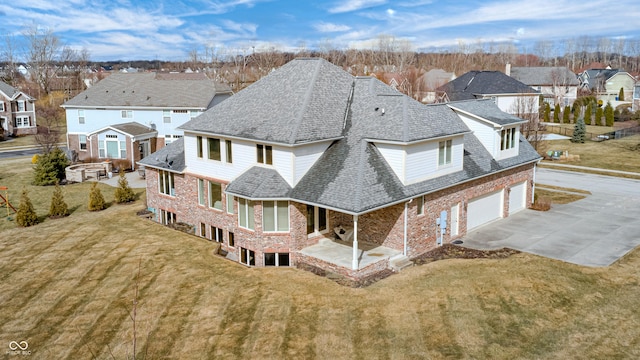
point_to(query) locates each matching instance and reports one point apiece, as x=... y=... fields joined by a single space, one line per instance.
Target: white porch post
x=354 y=263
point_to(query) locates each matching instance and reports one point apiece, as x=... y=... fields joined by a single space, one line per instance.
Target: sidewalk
x=567 y=166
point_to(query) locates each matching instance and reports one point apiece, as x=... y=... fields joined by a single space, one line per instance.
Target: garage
x=517 y=200
x=484 y=209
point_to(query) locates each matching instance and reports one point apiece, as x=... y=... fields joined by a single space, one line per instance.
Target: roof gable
x=473 y=83
x=486 y=110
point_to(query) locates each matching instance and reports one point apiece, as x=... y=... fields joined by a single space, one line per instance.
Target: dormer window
x=264 y=154
x=444 y=152
x=508 y=139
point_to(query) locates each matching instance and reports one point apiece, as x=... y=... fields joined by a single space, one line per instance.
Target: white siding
x=283 y=162
x=244 y=157
x=96 y=119
x=304 y=158
x=422 y=160
x=395 y=156
x=484 y=132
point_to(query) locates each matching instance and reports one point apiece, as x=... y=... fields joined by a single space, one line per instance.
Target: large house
x=17 y=112
x=309 y=163
x=557 y=84
x=129 y=116
x=511 y=95
x=605 y=85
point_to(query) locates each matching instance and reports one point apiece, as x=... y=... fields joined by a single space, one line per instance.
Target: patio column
x=354 y=263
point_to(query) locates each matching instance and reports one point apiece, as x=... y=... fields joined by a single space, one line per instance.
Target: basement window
x=276 y=259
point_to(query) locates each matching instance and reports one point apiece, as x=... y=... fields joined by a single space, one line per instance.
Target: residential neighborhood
x=334 y=180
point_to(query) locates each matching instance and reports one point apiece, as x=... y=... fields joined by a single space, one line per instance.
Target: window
x=167 y=139
x=82 y=139
x=127 y=114
x=203 y=230
x=166 y=116
x=179 y=111
x=275 y=215
x=247 y=257
x=201 y=198
x=80 y=116
x=245 y=213
x=276 y=259
x=123 y=150
x=444 y=152
x=420 y=205
x=2 y=106
x=316 y=219
x=22 y=121
x=214 y=148
x=199 y=146
x=193 y=113
x=508 y=137
x=21 y=105
x=166 y=183
x=216 y=234
x=228 y=150
x=101 y=151
x=167 y=217
x=215 y=195
x=232 y=239
x=264 y=153
x=229 y=204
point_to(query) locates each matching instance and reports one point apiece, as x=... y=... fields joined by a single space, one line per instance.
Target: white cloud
x=324 y=27
x=391 y=12
x=353 y=5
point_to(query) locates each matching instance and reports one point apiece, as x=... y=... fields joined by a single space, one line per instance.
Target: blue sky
x=170 y=29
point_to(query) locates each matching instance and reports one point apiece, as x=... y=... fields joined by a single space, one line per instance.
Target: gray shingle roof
x=543 y=75
x=170 y=157
x=134 y=129
x=470 y=84
x=7 y=89
x=260 y=183
x=303 y=101
x=488 y=110
x=147 y=90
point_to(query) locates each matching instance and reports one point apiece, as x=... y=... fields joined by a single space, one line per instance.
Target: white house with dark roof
x=126 y=117
x=309 y=163
x=557 y=84
x=17 y=111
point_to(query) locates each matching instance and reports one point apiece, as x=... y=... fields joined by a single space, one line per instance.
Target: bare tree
x=42 y=48
x=527 y=108
x=9 y=56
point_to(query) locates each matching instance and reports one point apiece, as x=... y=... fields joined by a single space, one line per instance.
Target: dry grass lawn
x=67 y=288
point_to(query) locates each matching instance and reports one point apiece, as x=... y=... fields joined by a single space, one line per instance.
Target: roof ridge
x=307 y=99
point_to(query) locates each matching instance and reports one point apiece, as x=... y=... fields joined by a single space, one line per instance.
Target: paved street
x=595 y=231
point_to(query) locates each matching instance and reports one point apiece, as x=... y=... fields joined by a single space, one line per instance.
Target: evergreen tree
x=598 y=120
x=547 y=112
x=556 y=114
x=579 y=132
x=58 y=207
x=96 y=200
x=565 y=114
x=26 y=215
x=50 y=167
x=621 y=95
x=587 y=114
x=608 y=114
x=124 y=193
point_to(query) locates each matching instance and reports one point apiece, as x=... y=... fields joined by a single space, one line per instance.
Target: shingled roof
x=488 y=110
x=544 y=75
x=170 y=158
x=473 y=84
x=150 y=90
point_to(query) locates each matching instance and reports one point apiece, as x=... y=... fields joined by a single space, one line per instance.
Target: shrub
x=26 y=215
x=608 y=114
x=58 y=207
x=565 y=114
x=50 y=167
x=621 y=94
x=547 y=111
x=587 y=114
x=124 y=193
x=579 y=132
x=556 y=113
x=598 y=120
x=96 y=200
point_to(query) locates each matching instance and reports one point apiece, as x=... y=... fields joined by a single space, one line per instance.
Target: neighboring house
x=17 y=111
x=511 y=95
x=129 y=116
x=310 y=152
x=605 y=85
x=636 y=98
x=430 y=81
x=558 y=85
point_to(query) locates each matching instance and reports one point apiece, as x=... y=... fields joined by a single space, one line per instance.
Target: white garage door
x=517 y=197
x=483 y=209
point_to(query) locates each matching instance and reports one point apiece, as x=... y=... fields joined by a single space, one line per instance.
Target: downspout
x=533 y=186
x=406 y=225
x=133 y=157
x=354 y=261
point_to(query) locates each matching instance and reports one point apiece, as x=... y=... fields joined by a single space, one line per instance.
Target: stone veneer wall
x=384 y=226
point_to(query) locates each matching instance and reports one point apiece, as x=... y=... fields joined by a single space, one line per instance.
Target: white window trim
x=420 y=205
x=266 y=149
x=275 y=217
x=2 y=109
x=248 y=209
x=81 y=118
x=21 y=120
x=126 y=114
x=164 y=176
x=202 y=198
x=80 y=142
x=316 y=221
x=229 y=204
x=166 y=116
x=23 y=104
x=277 y=258
x=448 y=149
x=211 y=202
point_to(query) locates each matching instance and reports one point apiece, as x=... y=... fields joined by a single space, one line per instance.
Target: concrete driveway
x=595 y=231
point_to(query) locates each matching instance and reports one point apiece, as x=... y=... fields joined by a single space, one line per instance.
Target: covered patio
x=341 y=253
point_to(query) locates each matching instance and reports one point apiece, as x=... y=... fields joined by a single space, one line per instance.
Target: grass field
x=67 y=288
